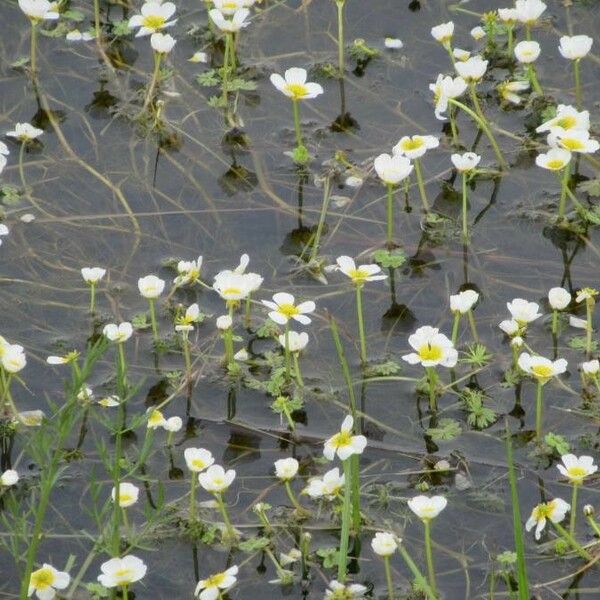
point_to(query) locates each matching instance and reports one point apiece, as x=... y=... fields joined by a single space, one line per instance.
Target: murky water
x=193 y=192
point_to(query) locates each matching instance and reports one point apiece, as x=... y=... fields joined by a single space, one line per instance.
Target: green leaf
x=121 y=28
x=591 y=187
x=580 y=343
x=140 y=321
x=254 y=544
x=390 y=259
x=557 y=442
x=447 y=429
x=73 y=15
x=390 y=367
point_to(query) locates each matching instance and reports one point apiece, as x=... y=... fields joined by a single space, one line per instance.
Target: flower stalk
x=346 y=517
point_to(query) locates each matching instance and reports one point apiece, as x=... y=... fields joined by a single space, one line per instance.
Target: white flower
x=232 y=286
x=472 y=70
x=77 y=36
x=591 y=367
x=465 y=162
x=527 y=51
x=343 y=443
x=443 y=33
x=92 y=275
x=151 y=286
x=173 y=424
x=575 y=47
x=509 y=326
x=393 y=43
x=508 y=15
x=577 y=322
x=109 y=401
x=199 y=57
x=567 y=117
x=215 y=479
x=154 y=17
x=392 y=169
x=427 y=508
x=559 y=298
x=118 y=572
x=228 y=7
x=555 y=510
x=541 y=368
x=186 y=321
x=522 y=311
x=445 y=88
x=31 y=418
x=329 y=486
x=118 y=333
x=241 y=355
x=529 y=11
x=62 y=360
x=293 y=84
x=339 y=591
x=46 y=580
x=296 y=341
x=286 y=468
x=555 y=159
x=39 y=10
x=573 y=140
x=128 y=494
x=24 y=132
x=12 y=358
x=517 y=341
x=585 y=294
x=577 y=469
x=283 y=309
x=478 y=33
x=198 y=459
x=155 y=419
x=232 y=25
x=211 y=588
x=384 y=543
x=432 y=348
x=3 y=227
x=353 y=181
x=85 y=393
x=189 y=271
x=9 y=477
x=460 y=54
x=361 y=274
x=162 y=43
x=415 y=146
x=224 y=322
x=464 y=301
x=509 y=90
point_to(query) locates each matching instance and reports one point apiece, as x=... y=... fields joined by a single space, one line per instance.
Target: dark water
x=187 y=201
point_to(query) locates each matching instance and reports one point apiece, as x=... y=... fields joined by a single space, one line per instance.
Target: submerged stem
x=429 y=556
x=346 y=515
x=421 y=184
x=538 y=412
x=390 y=215
x=361 y=325
x=465 y=225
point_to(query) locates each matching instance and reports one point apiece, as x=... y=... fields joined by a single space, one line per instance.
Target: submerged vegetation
x=262 y=421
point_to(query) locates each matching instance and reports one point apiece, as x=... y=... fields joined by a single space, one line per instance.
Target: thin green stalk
x=153 y=81
x=340 y=19
x=390 y=215
x=344 y=365
x=564 y=185
x=293 y=499
x=125 y=592
x=572 y=542
x=193 y=496
x=361 y=325
x=321 y=224
x=576 y=72
x=421 y=184
x=465 y=224
x=346 y=516
x=230 y=39
x=92 y=298
x=455 y=325
x=388 y=577
x=509 y=31
x=429 y=555
x=116 y=537
x=355 y=470
x=223 y=509
x=589 y=309
x=448 y=47
x=97 y=18
x=517 y=525
x=33 y=52
x=593 y=524
x=453 y=127
x=538 y=412
x=296 y=111
x=419 y=577
x=535 y=84
x=299 y=379
x=247 y=316
x=153 y=319
x=286 y=348
x=554 y=322
x=432 y=379
x=473 y=326
x=187 y=356
x=482 y=122
x=573 y=518
x=475 y=100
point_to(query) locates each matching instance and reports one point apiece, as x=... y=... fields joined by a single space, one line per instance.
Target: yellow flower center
x=42 y=578
x=429 y=352
x=229 y=5
x=555 y=164
x=124 y=575
x=543 y=511
x=154 y=21
x=542 y=371
x=572 y=144
x=125 y=498
x=342 y=439
x=232 y=291
x=198 y=463
x=155 y=418
x=298 y=90
x=567 y=122
x=214 y=580
x=358 y=275
x=412 y=144
x=576 y=472
x=288 y=310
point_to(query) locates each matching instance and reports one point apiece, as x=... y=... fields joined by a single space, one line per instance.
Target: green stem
x=293 y=499
x=361 y=325
x=473 y=326
x=572 y=542
x=116 y=537
x=429 y=556
x=453 y=127
x=475 y=100
x=465 y=224
x=589 y=309
x=299 y=379
x=340 y=18
x=92 y=298
x=230 y=39
x=388 y=577
x=432 y=379
x=390 y=215
x=538 y=413
x=509 y=31
x=554 y=322
x=153 y=319
x=187 y=356
x=223 y=509
x=455 y=325
x=153 y=81
x=564 y=186
x=346 y=516
x=419 y=577
x=535 y=84
x=593 y=524
x=344 y=364
x=228 y=340
x=33 y=56
x=296 y=111
x=247 y=317
x=125 y=594
x=482 y=122
x=193 y=496
x=421 y=184
x=355 y=469
x=573 y=519
x=321 y=224
x=576 y=72
x=286 y=348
